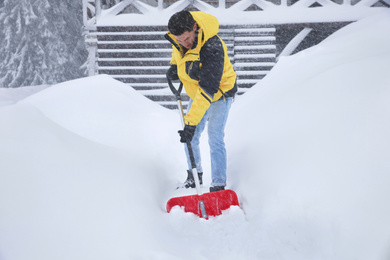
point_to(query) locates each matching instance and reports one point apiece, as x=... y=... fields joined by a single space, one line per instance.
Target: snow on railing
x=92 y=8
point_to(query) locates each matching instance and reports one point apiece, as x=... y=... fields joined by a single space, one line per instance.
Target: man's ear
x=195 y=27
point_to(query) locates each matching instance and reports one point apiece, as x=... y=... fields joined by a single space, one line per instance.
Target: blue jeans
x=216 y=116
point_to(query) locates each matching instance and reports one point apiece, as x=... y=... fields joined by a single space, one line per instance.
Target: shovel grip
x=175 y=91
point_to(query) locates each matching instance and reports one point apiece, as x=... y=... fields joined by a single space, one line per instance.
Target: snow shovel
x=203 y=205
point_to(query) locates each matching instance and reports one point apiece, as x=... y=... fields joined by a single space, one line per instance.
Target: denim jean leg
x=218 y=114
x=195 y=142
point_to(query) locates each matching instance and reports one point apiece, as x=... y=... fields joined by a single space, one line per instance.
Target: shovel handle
x=177 y=93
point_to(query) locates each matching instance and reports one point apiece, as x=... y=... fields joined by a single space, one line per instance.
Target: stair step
x=130 y=37
x=249 y=69
x=136 y=62
x=246 y=50
x=254 y=64
x=135 y=51
x=131 y=45
x=254 y=31
x=149 y=86
x=258 y=76
x=247 y=73
x=244 y=82
x=131 y=80
x=134 y=67
x=256 y=48
x=135 y=28
x=254 y=38
x=135 y=70
x=113 y=54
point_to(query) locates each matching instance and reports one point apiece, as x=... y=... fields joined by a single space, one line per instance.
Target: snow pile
x=9 y=96
x=87 y=166
x=63 y=195
x=314 y=139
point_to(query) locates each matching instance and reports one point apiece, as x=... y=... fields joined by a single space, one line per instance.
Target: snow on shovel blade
x=214 y=203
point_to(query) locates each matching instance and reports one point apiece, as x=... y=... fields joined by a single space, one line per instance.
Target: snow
x=274 y=14
x=13 y=95
x=87 y=166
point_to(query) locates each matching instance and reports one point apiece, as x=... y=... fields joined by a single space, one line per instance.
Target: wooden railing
x=93 y=8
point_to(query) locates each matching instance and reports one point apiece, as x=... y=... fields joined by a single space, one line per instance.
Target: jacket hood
x=207 y=22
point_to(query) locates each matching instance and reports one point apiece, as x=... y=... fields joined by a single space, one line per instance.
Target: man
x=201 y=62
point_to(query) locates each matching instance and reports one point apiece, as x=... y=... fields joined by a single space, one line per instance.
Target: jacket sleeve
x=199 y=106
x=212 y=58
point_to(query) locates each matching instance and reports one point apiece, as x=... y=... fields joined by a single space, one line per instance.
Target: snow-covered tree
x=41 y=42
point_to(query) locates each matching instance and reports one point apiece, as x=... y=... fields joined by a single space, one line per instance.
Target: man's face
x=187 y=38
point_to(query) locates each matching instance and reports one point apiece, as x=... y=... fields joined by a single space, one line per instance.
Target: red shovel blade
x=214 y=202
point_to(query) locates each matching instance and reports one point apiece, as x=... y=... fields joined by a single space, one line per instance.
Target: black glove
x=187 y=133
x=172 y=73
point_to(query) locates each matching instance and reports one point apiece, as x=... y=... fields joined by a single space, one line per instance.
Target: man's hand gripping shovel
x=203 y=205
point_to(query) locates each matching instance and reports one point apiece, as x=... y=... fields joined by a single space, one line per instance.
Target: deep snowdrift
x=87 y=166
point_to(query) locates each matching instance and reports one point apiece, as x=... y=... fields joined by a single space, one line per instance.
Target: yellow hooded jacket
x=217 y=77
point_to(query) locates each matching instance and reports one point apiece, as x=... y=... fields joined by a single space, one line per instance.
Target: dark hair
x=180 y=22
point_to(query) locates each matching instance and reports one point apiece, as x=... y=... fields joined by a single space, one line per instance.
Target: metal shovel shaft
x=190 y=152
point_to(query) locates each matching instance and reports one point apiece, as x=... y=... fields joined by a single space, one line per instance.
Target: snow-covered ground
x=87 y=166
